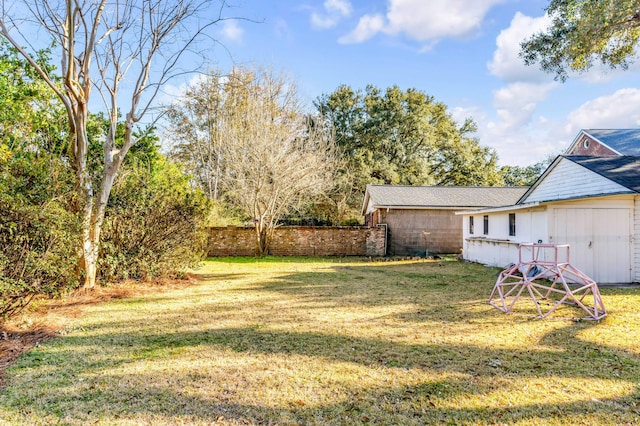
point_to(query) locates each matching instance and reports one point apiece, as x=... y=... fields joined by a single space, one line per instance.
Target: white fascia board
x=424 y=207
x=501 y=209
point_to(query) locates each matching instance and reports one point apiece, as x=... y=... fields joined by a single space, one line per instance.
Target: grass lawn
x=331 y=342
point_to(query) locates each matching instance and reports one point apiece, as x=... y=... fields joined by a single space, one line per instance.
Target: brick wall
x=300 y=241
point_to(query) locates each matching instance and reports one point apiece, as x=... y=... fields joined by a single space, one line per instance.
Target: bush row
x=153 y=226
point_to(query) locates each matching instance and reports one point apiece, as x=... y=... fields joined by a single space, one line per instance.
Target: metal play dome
x=545 y=277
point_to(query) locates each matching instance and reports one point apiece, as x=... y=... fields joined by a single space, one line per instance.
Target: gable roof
x=623 y=170
x=623 y=141
x=430 y=197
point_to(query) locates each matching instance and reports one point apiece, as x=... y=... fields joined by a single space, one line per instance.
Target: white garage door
x=600 y=241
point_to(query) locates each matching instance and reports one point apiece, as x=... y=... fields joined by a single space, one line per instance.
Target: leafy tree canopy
x=30 y=114
x=585 y=32
x=404 y=137
x=524 y=176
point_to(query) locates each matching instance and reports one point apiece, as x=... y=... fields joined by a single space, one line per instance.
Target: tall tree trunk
x=88 y=256
x=262 y=238
x=258 y=229
x=106 y=46
x=89 y=260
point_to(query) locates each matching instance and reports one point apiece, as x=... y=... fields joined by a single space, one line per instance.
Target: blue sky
x=462 y=52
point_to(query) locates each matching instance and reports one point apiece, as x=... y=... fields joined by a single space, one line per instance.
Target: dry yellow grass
x=331 y=341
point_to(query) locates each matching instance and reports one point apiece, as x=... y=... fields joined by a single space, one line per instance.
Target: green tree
x=154 y=222
x=38 y=234
x=585 y=32
x=31 y=117
x=524 y=176
x=403 y=137
x=125 y=50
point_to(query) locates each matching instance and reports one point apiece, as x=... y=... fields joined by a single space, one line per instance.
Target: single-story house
x=421 y=220
x=590 y=202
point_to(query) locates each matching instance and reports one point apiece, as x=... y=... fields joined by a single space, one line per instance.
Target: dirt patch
x=45 y=317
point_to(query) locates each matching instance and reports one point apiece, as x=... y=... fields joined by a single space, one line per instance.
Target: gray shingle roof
x=625 y=141
x=623 y=170
x=395 y=196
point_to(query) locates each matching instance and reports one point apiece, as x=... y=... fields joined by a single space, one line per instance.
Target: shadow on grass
x=218 y=277
x=439 y=291
x=408 y=405
x=80 y=361
x=428 y=402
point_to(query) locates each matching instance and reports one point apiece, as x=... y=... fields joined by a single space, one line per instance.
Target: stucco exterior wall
x=418 y=232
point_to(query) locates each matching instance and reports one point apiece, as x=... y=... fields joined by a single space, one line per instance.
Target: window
x=471 y=224
x=512 y=224
x=486 y=225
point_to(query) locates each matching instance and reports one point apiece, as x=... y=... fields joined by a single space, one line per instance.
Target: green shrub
x=153 y=225
x=38 y=234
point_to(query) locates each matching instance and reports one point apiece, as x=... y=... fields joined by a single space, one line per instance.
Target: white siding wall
x=570 y=180
x=498 y=248
x=636 y=240
x=538 y=224
x=600 y=232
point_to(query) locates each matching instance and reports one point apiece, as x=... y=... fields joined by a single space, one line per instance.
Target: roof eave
x=401 y=207
x=501 y=209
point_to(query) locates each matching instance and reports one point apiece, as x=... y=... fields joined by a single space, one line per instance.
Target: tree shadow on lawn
x=440 y=291
x=371 y=285
x=429 y=402
x=471 y=370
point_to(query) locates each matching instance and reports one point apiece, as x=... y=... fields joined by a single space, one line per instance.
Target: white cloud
x=424 y=21
x=368 y=26
x=515 y=133
x=534 y=142
x=602 y=74
x=281 y=30
x=516 y=103
x=172 y=92
x=460 y=114
x=232 y=31
x=531 y=144
x=521 y=138
x=618 y=110
x=321 y=21
x=340 y=7
x=506 y=63
x=516 y=128
x=334 y=11
x=435 y=19
x=513 y=130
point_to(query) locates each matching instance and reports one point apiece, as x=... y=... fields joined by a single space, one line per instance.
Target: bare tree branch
x=123 y=49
